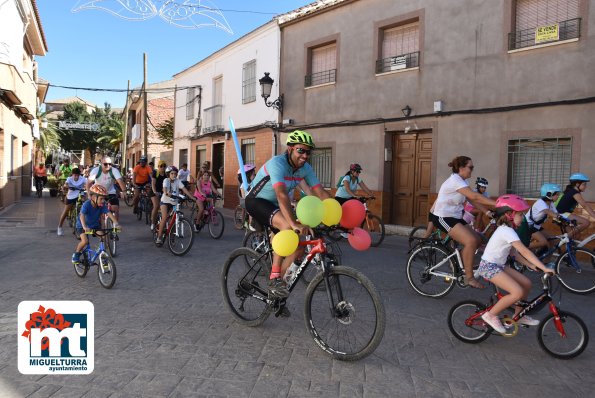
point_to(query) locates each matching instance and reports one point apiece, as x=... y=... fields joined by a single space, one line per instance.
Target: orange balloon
x=353 y=215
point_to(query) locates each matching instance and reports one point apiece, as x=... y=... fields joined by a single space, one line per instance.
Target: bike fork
x=557 y=320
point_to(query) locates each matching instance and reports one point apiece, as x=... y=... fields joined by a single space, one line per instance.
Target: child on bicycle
x=349 y=183
x=472 y=215
x=74 y=184
x=203 y=193
x=541 y=209
x=509 y=209
x=90 y=217
x=571 y=197
x=172 y=186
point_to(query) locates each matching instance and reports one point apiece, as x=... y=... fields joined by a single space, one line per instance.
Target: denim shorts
x=488 y=270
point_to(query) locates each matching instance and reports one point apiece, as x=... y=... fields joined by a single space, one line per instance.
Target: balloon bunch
x=312 y=211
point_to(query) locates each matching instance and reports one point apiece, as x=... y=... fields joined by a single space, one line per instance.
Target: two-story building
x=403 y=87
x=224 y=85
x=21 y=39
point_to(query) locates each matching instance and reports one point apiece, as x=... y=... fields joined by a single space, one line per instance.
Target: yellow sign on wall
x=547 y=33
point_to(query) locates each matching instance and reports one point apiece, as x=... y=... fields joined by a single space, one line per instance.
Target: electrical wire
x=124 y=90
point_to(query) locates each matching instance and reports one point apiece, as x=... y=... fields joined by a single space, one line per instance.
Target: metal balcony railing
x=399 y=62
x=213 y=119
x=570 y=29
x=315 y=79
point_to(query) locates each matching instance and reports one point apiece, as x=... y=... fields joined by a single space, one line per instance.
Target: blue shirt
x=342 y=192
x=281 y=172
x=92 y=215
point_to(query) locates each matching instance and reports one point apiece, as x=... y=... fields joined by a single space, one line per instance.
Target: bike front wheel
x=564 y=338
x=128 y=198
x=139 y=209
x=425 y=277
x=216 y=224
x=465 y=323
x=245 y=288
x=106 y=271
x=239 y=216
x=346 y=316
x=375 y=227
x=577 y=270
x=180 y=238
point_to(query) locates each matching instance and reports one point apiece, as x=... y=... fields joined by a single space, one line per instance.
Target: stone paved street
x=163 y=330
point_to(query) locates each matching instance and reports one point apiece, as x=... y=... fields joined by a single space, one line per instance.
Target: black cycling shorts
x=113 y=199
x=445 y=224
x=262 y=210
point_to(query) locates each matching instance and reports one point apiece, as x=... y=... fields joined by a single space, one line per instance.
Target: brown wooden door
x=412 y=161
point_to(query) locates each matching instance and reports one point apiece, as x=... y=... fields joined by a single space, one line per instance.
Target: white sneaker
x=60 y=231
x=494 y=322
x=152 y=227
x=527 y=320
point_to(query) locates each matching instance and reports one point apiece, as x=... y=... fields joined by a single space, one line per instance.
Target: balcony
x=567 y=30
x=324 y=77
x=213 y=119
x=399 y=62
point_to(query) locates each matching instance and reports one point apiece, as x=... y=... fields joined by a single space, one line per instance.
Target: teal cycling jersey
x=278 y=171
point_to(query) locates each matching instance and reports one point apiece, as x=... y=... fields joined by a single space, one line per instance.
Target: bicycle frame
x=93 y=255
x=456 y=253
x=586 y=241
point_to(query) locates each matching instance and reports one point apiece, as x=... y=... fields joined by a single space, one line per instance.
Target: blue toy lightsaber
x=239 y=153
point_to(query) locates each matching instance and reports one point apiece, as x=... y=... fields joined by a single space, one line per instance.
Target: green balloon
x=310 y=211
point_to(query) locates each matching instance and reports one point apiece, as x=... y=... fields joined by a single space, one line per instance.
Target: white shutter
x=400 y=40
x=533 y=13
x=324 y=58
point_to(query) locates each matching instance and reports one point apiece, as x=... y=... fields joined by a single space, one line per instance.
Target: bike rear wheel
x=340 y=332
x=564 y=347
x=239 y=216
x=465 y=323
x=581 y=280
x=414 y=236
x=424 y=278
x=244 y=288
x=180 y=241
x=256 y=241
x=375 y=227
x=216 y=224
x=106 y=270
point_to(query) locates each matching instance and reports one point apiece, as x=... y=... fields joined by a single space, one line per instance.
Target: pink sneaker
x=494 y=322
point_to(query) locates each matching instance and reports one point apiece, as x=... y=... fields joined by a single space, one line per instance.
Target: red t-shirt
x=142 y=174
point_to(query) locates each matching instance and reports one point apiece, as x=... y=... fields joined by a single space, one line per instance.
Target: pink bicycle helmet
x=510 y=202
x=247 y=168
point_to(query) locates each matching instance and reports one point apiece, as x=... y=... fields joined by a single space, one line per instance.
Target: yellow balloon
x=332 y=212
x=285 y=243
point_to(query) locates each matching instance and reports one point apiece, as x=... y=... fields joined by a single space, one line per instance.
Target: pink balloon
x=353 y=215
x=359 y=239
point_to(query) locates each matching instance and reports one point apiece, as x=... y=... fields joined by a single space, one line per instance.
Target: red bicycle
x=211 y=217
x=178 y=230
x=561 y=334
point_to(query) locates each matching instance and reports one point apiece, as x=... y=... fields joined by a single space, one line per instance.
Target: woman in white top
x=75 y=183
x=493 y=267
x=447 y=214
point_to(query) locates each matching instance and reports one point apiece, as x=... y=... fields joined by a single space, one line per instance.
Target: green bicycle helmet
x=300 y=137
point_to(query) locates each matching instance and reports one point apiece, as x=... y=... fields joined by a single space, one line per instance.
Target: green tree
x=49 y=138
x=165 y=131
x=74 y=139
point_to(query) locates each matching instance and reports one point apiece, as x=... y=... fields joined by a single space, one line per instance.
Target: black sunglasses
x=107 y=164
x=303 y=151
x=471 y=167
x=162 y=166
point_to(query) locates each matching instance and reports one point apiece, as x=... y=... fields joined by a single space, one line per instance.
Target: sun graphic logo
x=56 y=337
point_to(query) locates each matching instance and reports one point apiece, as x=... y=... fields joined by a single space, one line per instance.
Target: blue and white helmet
x=579 y=177
x=548 y=190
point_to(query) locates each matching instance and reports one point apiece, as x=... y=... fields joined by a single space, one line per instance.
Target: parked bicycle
x=210 y=217
x=343 y=310
x=106 y=268
x=561 y=334
x=178 y=230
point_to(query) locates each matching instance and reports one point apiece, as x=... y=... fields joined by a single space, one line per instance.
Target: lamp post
x=406 y=111
x=266 y=85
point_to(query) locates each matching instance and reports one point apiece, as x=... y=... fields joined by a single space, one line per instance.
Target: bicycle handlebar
x=102 y=231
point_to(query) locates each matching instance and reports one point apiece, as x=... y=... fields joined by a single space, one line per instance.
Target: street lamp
x=406 y=111
x=266 y=85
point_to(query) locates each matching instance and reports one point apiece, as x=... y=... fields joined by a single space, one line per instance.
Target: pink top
x=206 y=188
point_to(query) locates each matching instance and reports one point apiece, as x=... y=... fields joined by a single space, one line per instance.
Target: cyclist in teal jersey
x=269 y=199
x=572 y=197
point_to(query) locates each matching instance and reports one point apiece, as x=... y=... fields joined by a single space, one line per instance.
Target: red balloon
x=353 y=215
x=359 y=239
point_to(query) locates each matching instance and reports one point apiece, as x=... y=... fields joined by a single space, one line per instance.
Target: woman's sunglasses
x=303 y=151
x=107 y=164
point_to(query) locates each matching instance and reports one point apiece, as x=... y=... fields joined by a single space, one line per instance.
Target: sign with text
x=547 y=33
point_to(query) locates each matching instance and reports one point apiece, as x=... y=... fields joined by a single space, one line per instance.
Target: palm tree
x=112 y=134
x=49 y=138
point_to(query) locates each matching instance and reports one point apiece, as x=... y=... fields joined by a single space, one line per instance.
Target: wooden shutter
x=324 y=58
x=400 y=40
x=533 y=13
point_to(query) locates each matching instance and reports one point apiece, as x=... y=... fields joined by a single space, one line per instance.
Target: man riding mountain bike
x=141 y=176
x=269 y=199
x=108 y=176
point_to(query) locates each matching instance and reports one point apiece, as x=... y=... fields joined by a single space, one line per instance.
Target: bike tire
x=582 y=282
x=420 y=261
x=243 y=287
x=112 y=242
x=255 y=240
x=82 y=268
x=467 y=330
x=354 y=293
x=553 y=343
x=181 y=243
x=239 y=217
x=413 y=239
x=216 y=224
x=139 y=210
x=148 y=211
x=375 y=227
x=129 y=198
x=106 y=270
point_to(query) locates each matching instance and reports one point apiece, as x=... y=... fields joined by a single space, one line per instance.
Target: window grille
x=323 y=65
x=249 y=82
x=321 y=161
x=190 y=103
x=249 y=150
x=533 y=162
x=399 y=48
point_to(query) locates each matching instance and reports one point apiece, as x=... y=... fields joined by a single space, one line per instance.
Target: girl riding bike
x=510 y=209
x=571 y=197
x=349 y=183
x=171 y=187
x=204 y=191
x=541 y=209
